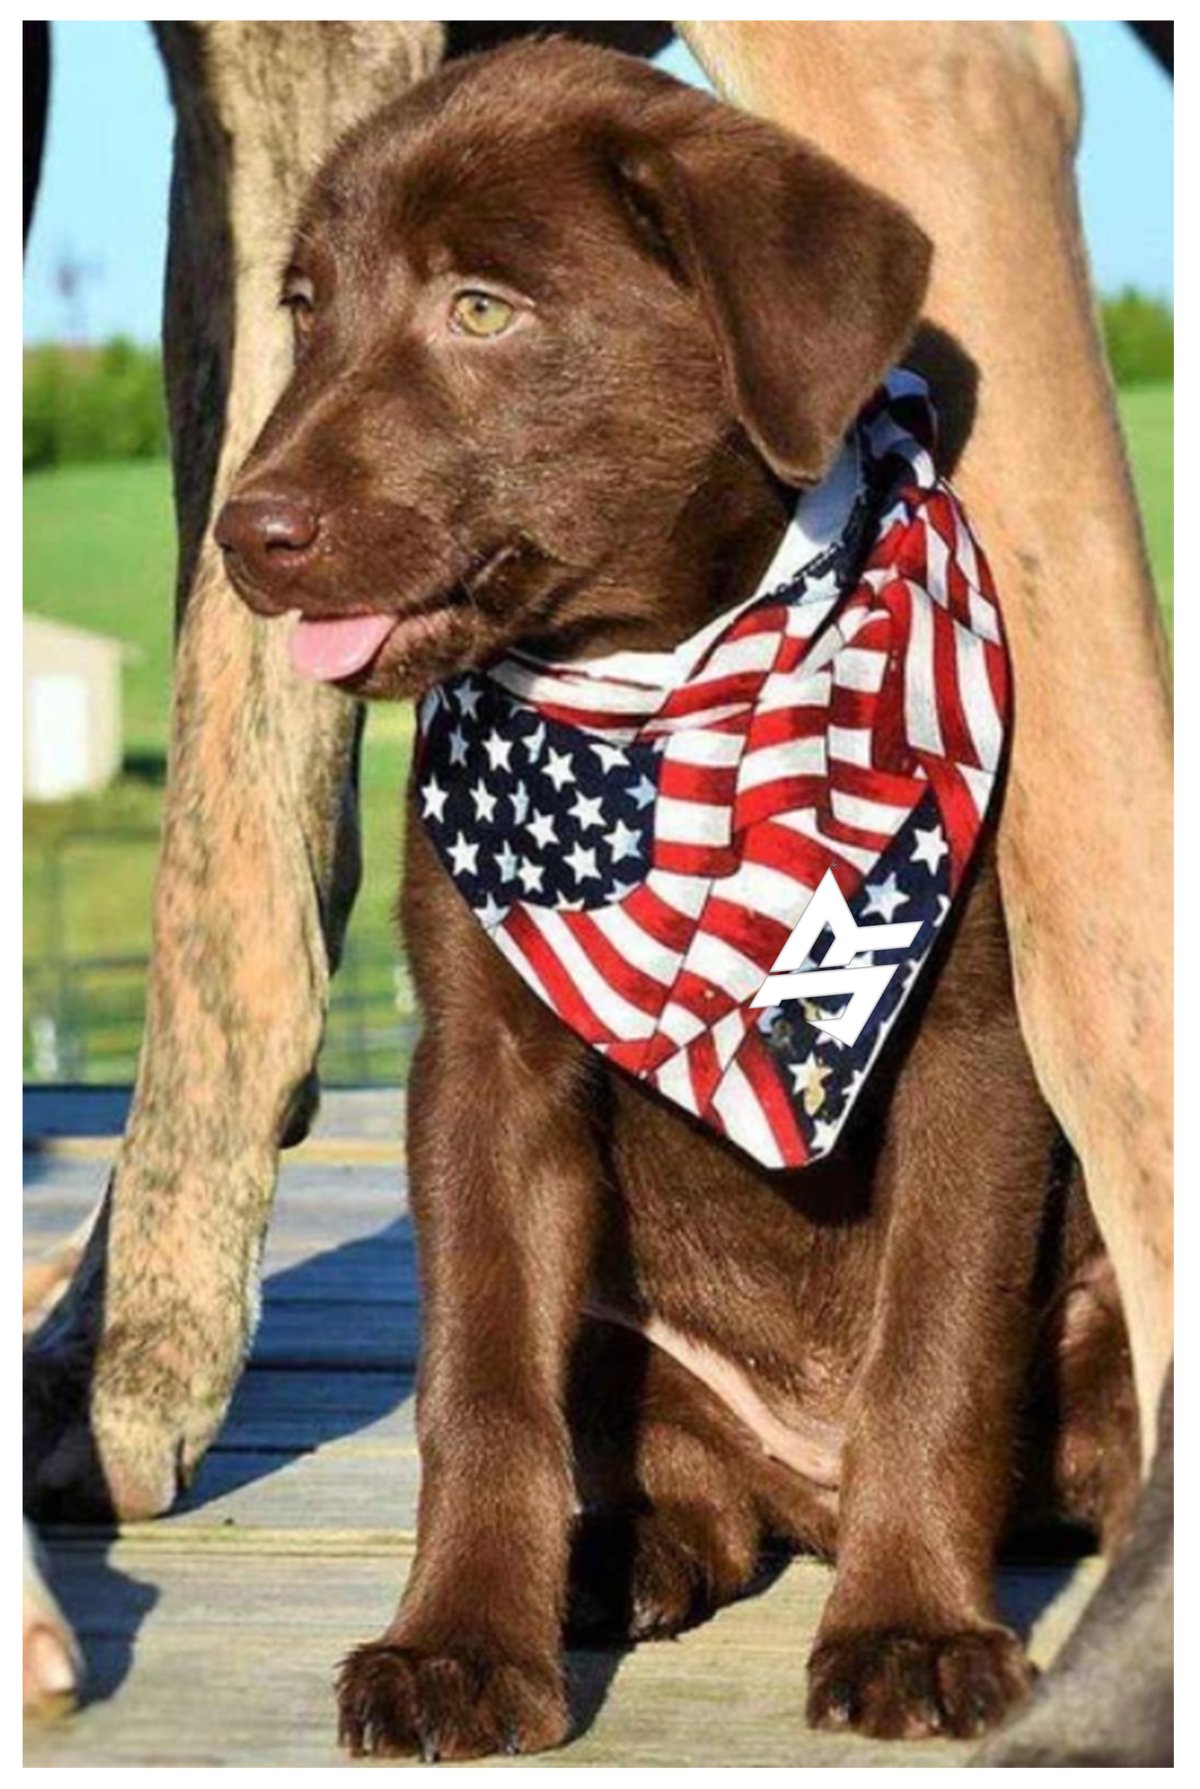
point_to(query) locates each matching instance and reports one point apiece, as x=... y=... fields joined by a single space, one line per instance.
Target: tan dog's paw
x=90 y=1455
x=116 y=1426
x=51 y=1666
x=902 y=1685
x=396 y=1701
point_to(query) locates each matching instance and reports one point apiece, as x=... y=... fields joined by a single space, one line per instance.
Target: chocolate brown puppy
x=559 y=371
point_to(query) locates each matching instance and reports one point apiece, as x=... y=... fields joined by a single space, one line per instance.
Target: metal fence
x=83 y=1012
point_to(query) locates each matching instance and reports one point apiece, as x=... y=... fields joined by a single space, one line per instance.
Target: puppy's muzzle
x=268 y=542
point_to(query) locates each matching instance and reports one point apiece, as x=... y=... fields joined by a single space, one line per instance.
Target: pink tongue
x=329 y=650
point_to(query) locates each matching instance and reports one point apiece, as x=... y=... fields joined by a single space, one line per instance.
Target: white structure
x=72 y=687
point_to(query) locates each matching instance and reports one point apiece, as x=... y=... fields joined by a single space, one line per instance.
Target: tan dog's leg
x=972 y=128
x=132 y=1374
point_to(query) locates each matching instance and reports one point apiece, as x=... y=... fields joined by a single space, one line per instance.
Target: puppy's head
x=538 y=304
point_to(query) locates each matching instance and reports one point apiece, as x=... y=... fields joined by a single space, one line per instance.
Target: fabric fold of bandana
x=641 y=835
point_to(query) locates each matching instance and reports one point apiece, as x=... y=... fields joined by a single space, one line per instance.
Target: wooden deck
x=211 y=1635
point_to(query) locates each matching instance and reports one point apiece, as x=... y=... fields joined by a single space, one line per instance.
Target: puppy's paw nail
x=839 y=1704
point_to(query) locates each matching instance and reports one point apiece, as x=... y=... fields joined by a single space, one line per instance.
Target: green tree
x=1139 y=334
x=93 y=404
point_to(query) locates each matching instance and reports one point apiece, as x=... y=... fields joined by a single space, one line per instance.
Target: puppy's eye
x=481 y=313
x=299 y=297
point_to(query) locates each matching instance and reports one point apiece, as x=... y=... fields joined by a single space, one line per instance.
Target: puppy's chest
x=782 y=1265
x=715 y=1264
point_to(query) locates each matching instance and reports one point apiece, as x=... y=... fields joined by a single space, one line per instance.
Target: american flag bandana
x=640 y=834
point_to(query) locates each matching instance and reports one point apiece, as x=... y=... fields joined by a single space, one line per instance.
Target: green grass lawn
x=99 y=552
x=1148 y=415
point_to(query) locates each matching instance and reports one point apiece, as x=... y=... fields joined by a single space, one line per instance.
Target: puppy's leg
x=678 y=1496
x=132 y=1375
x=670 y=1526
x=504 y=1179
x=909 y=1642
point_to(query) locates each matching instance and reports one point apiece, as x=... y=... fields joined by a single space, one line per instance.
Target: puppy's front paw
x=394 y=1701
x=903 y=1685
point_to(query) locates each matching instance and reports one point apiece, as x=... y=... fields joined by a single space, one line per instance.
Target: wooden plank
x=362 y=1483
x=340 y=1221
x=340 y=1286
x=317 y=1209
x=376 y=1263
x=228 y=1659
x=74 y=1111
x=280 y=1411
x=380 y=1152
x=58 y=1194
x=351 y=1112
x=372 y=1248
x=324 y=1335
x=305 y=1189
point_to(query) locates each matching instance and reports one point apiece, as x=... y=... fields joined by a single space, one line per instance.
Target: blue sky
x=104 y=191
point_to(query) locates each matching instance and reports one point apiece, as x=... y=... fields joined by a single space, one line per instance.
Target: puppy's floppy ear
x=812 y=282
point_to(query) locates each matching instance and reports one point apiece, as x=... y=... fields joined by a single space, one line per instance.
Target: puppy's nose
x=267 y=536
